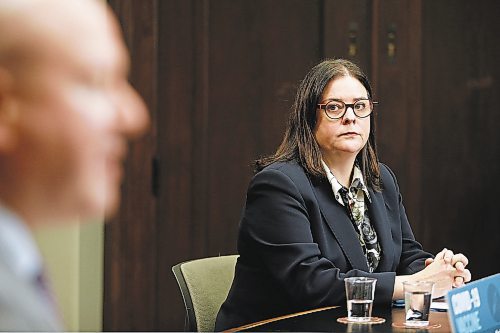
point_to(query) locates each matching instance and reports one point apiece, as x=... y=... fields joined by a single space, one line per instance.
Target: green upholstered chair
x=204 y=285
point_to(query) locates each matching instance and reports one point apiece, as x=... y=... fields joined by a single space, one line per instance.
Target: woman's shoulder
x=385 y=171
x=290 y=171
x=389 y=181
x=286 y=167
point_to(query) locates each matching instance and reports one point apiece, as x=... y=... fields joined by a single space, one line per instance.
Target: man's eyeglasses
x=335 y=109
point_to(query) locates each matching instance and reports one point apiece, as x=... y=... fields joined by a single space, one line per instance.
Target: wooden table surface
x=325 y=320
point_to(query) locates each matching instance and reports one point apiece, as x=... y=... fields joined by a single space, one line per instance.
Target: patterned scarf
x=353 y=198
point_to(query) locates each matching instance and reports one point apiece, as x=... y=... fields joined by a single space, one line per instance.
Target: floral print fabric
x=353 y=198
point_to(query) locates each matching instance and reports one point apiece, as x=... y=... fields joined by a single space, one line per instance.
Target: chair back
x=204 y=285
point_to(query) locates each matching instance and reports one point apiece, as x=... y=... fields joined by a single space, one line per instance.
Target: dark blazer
x=297 y=244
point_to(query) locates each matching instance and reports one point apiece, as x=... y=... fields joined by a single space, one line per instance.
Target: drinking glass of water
x=360 y=292
x=418 y=297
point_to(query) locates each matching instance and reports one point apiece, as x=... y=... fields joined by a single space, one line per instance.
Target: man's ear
x=8 y=111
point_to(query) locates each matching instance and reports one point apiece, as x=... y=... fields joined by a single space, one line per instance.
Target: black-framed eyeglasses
x=335 y=109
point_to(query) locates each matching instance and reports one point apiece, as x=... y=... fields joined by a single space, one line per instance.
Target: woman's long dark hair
x=299 y=142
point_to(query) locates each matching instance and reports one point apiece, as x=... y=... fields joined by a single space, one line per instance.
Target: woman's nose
x=349 y=115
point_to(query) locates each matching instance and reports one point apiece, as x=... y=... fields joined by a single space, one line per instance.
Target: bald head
x=66 y=108
x=37 y=29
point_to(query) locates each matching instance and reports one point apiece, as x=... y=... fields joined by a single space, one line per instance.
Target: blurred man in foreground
x=66 y=113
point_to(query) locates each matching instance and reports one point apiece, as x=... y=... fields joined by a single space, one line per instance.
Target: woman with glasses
x=323 y=208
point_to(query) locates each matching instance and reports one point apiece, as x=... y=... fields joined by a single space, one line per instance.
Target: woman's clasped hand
x=447 y=270
x=454 y=264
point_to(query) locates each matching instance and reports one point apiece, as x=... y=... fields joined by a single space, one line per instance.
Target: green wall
x=74 y=258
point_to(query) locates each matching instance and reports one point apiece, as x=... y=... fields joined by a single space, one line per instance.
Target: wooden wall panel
x=461 y=140
x=347 y=31
x=180 y=118
x=256 y=58
x=225 y=76
x=396 y=69
x=130 y=238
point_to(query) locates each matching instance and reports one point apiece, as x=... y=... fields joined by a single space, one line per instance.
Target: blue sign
x=475 y=307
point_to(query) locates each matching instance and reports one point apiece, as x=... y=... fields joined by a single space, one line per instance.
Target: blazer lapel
x=380 y=222
x=340 y=224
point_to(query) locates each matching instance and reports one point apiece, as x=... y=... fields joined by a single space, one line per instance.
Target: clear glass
x=360 y=292
x=418 y=297
x=335 y=109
